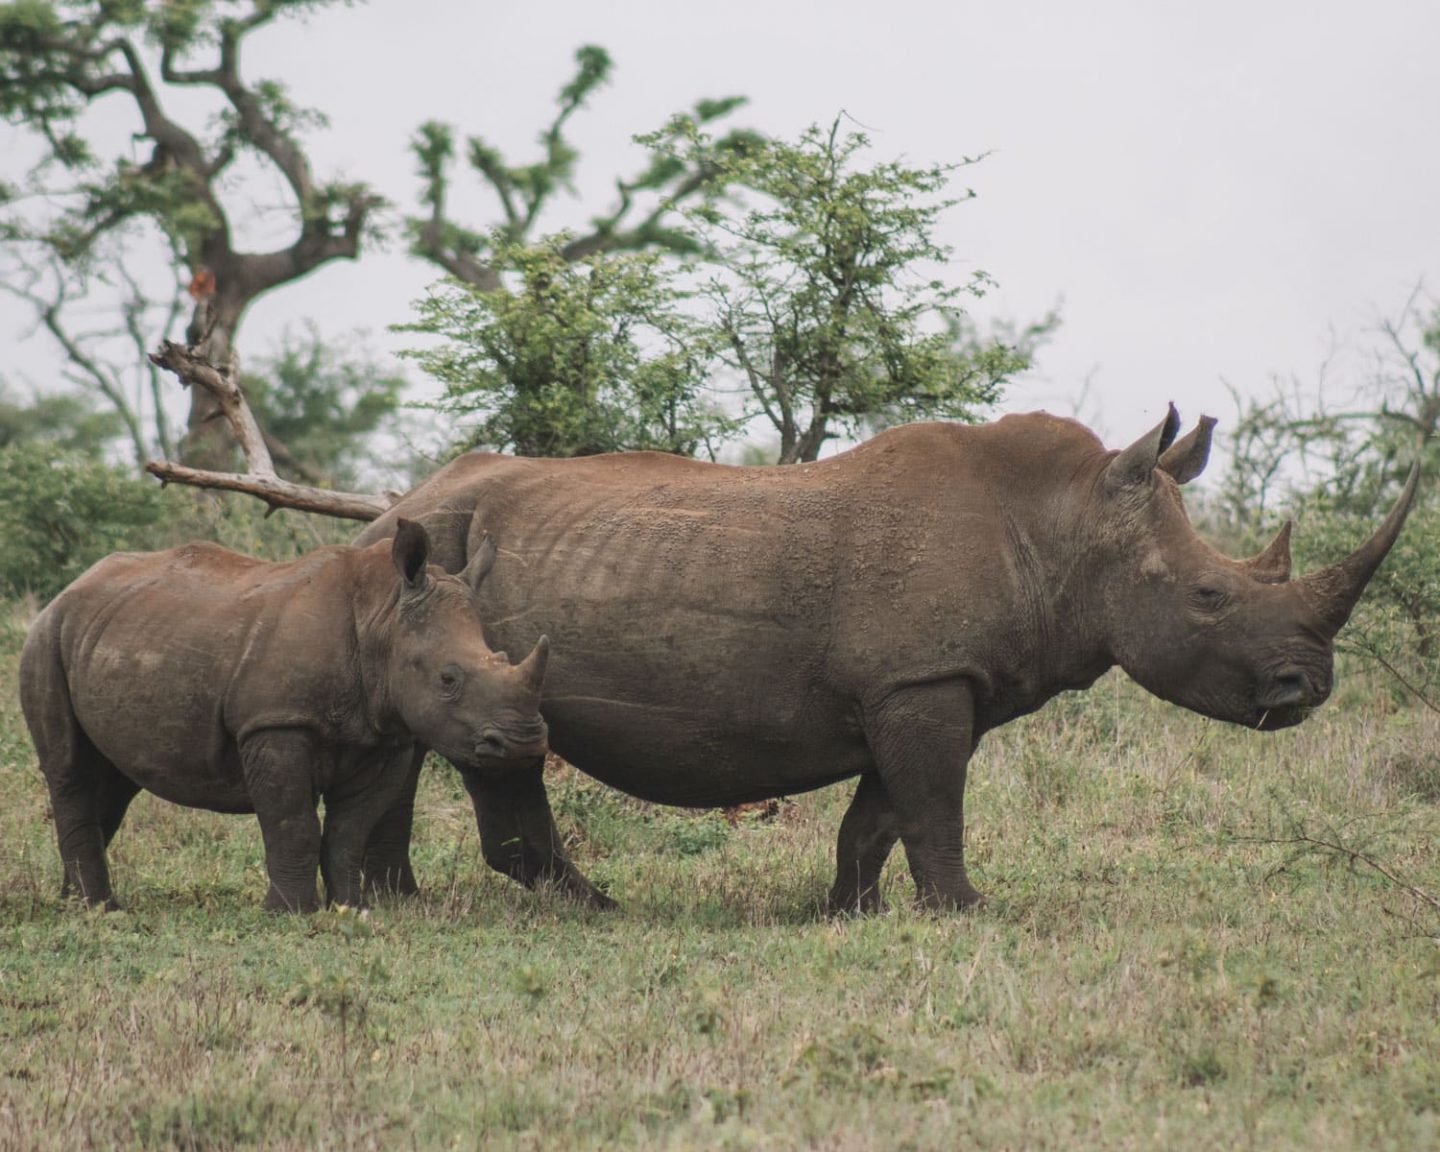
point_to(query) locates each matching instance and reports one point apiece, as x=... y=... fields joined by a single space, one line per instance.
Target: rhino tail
x=45 y=697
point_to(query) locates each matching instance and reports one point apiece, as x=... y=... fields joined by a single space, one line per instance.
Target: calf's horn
x=1334 y=591
x=533 y=666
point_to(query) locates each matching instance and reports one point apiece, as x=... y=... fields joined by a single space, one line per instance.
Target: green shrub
x=62 y=511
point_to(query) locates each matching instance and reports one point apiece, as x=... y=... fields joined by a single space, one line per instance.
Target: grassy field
x=1166 y=961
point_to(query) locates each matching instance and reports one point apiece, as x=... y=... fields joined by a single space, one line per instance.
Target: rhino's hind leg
x=387 y=853
x=922 y=738
x=867 y=834
x=88 y=797
x=87 y=792
x=116 y=792
x=518 y=836
x=279 y=777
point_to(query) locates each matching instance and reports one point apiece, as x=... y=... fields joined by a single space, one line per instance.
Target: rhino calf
x=222 y=682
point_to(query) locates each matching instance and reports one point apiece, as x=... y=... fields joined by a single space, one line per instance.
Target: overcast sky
x=1208 y=191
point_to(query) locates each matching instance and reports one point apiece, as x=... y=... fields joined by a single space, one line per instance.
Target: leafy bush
x=585 y=356
x=63 y=511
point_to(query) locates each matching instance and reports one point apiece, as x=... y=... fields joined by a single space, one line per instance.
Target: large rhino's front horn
x=1334 y=591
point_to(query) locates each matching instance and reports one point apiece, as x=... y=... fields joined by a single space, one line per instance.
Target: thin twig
x=1353 y=855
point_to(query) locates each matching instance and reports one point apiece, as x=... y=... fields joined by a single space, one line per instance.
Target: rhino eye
x=1208 y=599
x=451 y=678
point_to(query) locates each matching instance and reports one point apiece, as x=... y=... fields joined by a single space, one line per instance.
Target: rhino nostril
x=1291 y=688
x=491 y=744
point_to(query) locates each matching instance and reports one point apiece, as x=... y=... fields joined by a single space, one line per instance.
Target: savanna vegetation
x=1197 y=936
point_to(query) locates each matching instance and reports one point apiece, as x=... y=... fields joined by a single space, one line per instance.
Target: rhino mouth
x=495 y=747
x=1290 y=698
x=1282 y=716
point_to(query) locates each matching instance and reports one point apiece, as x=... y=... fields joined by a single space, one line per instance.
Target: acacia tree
x=644 y=213
x=827 y=293
x=574 y=357
x=58 y=59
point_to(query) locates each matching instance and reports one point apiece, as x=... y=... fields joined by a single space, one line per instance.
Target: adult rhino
x=217 y=681
x=729 y=634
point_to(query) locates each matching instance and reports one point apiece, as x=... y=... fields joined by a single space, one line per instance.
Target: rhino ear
x=1134 y=465
x=480 y=563
x=1187 y=457
x=410 y=552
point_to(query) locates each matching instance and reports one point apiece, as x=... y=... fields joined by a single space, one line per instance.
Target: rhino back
x=169 y=657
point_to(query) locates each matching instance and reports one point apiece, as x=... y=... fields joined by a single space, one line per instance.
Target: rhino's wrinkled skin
x=726 y=634
x=220 y=682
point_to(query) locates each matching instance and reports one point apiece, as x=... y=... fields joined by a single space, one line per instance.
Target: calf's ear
x=410 y=552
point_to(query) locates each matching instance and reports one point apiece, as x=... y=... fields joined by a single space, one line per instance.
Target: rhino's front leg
x=280 y=780
x=387 y=854
x=867 y=834
x=352 y=809
x=518 y=836
x=922 y=738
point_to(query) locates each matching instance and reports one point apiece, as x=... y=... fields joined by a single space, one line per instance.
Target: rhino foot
x=848 y=902
x=277 y=901
x=391 y=883
x=597 y=899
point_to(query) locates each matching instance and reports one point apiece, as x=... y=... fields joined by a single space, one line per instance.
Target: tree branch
x=50 y=313
x=604 y=237
x=1315 y=843
x=275 y=492
x=158 y=126
x=134 y=309
x=262 y=132
x=194 y=370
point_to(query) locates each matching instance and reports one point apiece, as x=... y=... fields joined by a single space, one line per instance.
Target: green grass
x=1155 y=967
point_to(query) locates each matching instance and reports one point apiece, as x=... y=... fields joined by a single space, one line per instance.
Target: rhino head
x=454 y=694
x=1236 y=640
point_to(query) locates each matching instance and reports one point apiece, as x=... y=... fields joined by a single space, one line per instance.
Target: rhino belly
x=160 y=730
x=720 y=743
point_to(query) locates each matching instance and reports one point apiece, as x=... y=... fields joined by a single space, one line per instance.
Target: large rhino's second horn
x=1272 y=566
x=1334 y=591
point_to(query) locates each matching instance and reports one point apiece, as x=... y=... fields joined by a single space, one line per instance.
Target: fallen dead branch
x=191 y=367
